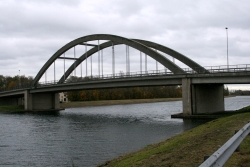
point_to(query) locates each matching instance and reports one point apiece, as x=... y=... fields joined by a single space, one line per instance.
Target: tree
x=12 y=84
x=16 y=81
x=126 y=93
x=226 y=91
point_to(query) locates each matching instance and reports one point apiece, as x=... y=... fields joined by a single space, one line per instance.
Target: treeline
x=122 y=93
x=8 y=82
x=226 y=91
x=240 y=92
x=126 y=93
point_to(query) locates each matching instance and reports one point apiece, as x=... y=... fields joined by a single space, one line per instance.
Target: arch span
x=190 y=63
x=195 y=66
x=115 y=39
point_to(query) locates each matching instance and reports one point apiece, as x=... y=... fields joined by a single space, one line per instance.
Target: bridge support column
x=202 y=98
x=186 y=96
x=41 y=101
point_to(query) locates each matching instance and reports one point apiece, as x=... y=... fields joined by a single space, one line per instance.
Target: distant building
x=63 y=97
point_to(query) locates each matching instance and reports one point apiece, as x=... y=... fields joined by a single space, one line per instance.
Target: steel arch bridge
x=202 y=87
x=147 y=47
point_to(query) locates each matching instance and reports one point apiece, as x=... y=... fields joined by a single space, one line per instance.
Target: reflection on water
x=91 y=135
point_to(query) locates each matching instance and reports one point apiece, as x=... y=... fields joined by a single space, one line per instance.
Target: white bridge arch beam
x=195 y=66
x=115 y=39
x=94 y=50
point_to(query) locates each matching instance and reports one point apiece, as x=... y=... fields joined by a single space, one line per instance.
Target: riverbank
x=12 y=109
x=189 y=148
x=21 y=110
x=114 y=102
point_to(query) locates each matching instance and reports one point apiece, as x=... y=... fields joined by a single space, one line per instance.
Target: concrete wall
x=201 y=98
x=186 y=96
x=207 y=98
x=41 y=101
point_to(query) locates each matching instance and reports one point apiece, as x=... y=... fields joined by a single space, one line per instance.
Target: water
x=91 y=135
x=235 y=103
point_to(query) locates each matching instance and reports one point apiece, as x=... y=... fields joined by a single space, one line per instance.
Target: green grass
x=245 y=109
x=190 y=147
x=11 y=108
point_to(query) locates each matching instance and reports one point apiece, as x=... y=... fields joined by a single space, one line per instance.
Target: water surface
x=91 y=135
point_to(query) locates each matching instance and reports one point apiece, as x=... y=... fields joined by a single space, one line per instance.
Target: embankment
x=12 y=109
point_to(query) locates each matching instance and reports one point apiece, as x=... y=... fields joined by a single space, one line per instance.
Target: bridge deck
x=137 y=81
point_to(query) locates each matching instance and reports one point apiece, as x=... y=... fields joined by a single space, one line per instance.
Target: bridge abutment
x=41 y=101
x=201 y=98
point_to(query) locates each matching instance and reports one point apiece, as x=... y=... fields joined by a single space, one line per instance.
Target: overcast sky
x=31 y=31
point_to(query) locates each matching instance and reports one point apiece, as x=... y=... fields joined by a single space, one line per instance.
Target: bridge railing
x=219 y=69
x=207 y=69
x=110 y=76
x=25 y=86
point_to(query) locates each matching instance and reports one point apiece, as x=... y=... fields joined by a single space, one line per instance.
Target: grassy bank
x=189 y=148
x=11 y=109
x=114 y=102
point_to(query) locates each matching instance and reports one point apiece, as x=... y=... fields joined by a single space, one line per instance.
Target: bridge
x=202 y=87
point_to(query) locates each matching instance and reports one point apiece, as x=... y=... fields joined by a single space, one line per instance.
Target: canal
x=89 y=136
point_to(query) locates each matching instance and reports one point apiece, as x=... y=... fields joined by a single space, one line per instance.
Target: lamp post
x=227 y=49
x=19 y=79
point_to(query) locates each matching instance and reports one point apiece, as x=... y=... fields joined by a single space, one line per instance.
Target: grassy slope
x=11 y=108
x=190 y=147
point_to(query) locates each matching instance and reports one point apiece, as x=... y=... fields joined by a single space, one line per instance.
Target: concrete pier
x=41 y=101
x=33 y=101
x=202 y=98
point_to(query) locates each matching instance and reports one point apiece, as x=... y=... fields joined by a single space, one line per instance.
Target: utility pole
x=227 y=49
x=19 y=79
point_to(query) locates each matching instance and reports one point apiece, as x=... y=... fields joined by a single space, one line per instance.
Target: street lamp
x=19 y=79
x=227 y=49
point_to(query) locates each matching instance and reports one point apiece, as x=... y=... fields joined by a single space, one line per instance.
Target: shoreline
x=77 y=104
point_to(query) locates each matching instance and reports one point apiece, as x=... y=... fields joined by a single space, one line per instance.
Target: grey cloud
x=32 y=31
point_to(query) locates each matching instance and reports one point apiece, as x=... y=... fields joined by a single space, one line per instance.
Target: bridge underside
x=202 y=98
x=14 y=100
